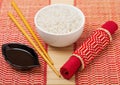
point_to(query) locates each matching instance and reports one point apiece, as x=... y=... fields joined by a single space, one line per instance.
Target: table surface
x=102 y=71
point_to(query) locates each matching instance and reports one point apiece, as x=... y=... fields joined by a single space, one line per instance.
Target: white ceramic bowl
x=60 y=40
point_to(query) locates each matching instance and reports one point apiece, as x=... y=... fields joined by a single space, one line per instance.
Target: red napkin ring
x=89 y=49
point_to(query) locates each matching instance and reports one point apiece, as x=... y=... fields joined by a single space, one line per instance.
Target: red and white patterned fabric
x=105 y=68
x=92 y=46
x=89 y=49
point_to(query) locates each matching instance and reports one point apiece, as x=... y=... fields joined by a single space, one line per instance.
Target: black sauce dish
x=20 y=56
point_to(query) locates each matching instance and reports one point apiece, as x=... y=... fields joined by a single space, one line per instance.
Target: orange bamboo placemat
x=0 y=3
x=105 y=69
x=10 y=33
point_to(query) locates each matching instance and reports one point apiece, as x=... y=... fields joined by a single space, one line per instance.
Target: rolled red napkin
x=89 y=49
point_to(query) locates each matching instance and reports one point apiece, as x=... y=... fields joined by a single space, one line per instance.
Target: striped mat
x=10 y=33
x=104 y=70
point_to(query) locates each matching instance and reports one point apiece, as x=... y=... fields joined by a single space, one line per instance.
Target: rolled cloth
x=89 y=49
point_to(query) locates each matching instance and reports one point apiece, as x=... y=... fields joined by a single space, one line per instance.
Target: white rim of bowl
x=71 y=6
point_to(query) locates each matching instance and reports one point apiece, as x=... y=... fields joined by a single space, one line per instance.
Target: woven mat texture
x=10 y=33
x=105 y=68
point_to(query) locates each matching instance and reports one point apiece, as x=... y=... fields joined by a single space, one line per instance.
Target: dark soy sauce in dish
x=20 y=56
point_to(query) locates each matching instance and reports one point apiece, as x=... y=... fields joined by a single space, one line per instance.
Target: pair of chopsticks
x=43 y=54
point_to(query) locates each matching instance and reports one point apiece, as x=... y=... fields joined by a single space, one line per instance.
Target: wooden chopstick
x=32 y=42
x=30 y=30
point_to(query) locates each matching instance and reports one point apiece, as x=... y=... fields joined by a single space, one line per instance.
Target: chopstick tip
x=13 y=2
x=59 y=76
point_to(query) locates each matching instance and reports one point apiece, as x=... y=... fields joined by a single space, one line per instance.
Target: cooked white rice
x=59 y=19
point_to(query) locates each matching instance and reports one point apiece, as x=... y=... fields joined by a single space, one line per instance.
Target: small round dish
x=20 y=56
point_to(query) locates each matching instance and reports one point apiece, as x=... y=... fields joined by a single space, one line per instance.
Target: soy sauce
x=20 y=57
